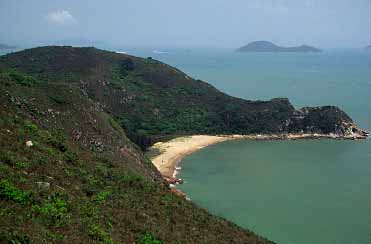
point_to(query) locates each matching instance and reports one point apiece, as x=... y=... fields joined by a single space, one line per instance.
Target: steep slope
x=69 y=174
x=265 y=46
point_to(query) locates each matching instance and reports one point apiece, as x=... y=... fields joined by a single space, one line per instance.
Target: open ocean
x=292 y=192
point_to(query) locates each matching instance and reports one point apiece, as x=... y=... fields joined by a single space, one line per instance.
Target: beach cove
x=304 y=191
x=170 y=153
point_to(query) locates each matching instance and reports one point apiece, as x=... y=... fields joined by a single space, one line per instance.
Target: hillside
x=151 y=100
x=69 y=172
x=265 y=46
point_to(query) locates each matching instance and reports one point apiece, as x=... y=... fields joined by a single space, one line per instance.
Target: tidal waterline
x=305 y=191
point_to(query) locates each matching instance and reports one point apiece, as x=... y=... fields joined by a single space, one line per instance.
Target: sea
x=291 y=192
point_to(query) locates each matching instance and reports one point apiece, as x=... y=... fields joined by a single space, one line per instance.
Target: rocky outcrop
x=327 y=120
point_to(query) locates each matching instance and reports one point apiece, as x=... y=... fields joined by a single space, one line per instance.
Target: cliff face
x=69 y=172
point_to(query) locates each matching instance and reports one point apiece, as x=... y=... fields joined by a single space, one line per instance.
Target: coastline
x=173 y=151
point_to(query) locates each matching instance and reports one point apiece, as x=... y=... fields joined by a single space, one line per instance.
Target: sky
x=187 y=23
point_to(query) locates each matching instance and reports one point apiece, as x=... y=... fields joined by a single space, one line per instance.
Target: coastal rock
x=178 y=192
x=325 y=120
x=174 y=181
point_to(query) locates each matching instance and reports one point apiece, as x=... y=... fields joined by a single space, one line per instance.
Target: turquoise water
x=294 y=192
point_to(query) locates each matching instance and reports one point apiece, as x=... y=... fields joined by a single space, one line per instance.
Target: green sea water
x=294 y=192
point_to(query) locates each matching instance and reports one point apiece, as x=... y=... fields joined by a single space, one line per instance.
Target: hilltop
x=73 y=126
x=265 y=46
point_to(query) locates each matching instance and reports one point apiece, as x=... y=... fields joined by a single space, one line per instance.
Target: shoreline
x=173 y=151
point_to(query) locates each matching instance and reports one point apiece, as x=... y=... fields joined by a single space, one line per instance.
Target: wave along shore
x=173 y=151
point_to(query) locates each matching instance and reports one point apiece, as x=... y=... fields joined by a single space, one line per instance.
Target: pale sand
x=173 y=151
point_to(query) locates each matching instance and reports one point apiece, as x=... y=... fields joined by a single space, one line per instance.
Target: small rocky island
x=266 y=46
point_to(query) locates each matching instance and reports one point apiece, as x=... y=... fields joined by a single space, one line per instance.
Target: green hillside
x=151 y=100
x=69 y=171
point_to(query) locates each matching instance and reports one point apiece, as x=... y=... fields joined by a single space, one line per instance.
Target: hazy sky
x=225 y=23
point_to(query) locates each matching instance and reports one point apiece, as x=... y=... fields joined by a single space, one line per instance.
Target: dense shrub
x=149 y=239
x=9 y=192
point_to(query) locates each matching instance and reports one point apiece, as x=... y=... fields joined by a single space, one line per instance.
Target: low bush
x=54 y=211
x=149 y=239
x=22 y=79
x=9 y=192
x=99 y=234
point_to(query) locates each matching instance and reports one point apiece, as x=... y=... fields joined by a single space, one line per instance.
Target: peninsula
x=75 y=123
x=265 y=46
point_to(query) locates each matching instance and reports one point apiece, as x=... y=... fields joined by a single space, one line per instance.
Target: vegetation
x=149 y=239
x=70 y=174
x=10 y=192
x=153 y=101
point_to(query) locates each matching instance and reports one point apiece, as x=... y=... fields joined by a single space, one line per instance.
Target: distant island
x=6 y=47
x=368 y=48
x=265 y=46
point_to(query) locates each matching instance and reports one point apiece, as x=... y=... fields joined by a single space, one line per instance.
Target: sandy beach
x=173 y=151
